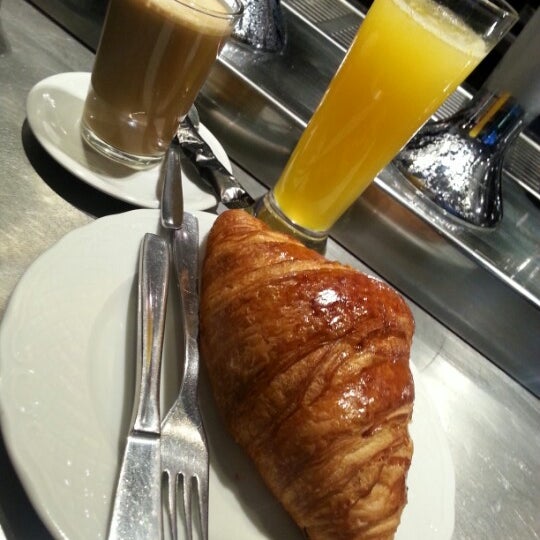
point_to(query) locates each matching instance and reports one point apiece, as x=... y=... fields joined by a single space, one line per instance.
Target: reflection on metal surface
x=261 y=26
x=337 y=21
x=522 y=164
x=457 y=162
x=502 y=251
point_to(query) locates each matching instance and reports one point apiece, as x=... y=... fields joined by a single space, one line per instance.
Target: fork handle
x=186 y=262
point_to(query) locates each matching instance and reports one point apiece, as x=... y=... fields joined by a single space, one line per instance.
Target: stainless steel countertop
x=492 y=424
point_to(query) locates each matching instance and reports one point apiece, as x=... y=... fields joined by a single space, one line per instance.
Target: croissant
x=308 y=362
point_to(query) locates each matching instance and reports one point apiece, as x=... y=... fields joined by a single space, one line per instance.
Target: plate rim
x=108 y=185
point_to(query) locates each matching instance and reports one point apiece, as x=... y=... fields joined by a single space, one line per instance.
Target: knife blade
x=198 y=157
x=137 y=510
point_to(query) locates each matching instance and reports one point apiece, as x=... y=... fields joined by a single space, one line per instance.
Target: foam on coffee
x=210 y=16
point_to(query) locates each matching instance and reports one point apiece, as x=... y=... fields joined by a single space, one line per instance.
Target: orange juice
x=407 y=57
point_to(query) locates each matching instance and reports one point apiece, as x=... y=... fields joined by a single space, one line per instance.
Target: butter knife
x=198 y=157
x=137 y=512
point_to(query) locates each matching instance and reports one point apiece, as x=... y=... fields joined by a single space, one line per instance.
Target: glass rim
x=498 y=17
x=502 y=6
x=236 y=6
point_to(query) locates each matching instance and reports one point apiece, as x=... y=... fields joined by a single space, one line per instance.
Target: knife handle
x=172 y=200
x=200 y=156
x=230 y=192
x=154 y=263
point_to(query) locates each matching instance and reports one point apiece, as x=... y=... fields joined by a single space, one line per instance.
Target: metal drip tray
x=337 y=21
x=523 y=164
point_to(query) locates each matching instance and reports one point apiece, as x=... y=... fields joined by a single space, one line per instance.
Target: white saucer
x=66 y=391
x=54 y=108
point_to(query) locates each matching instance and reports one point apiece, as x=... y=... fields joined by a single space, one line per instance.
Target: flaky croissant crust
x=309 y=365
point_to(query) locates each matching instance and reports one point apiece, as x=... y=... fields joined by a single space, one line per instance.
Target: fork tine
x=187 y=507
x=202 y=490
x=171 y=502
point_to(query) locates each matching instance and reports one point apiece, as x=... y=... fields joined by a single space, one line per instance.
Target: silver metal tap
x=262 y=25
x=457 y=162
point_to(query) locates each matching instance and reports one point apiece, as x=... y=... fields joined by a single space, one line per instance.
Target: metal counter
x=492 y=423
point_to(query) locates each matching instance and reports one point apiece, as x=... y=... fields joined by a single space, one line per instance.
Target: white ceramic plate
x=66 y=388
x=54 y=108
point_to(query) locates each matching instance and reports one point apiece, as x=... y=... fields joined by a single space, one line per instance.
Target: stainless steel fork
x=184 y=450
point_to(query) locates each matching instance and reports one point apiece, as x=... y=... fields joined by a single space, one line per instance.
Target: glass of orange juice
x=406 y=59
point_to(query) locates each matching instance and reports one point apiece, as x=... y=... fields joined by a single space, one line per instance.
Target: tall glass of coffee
x=152 y=59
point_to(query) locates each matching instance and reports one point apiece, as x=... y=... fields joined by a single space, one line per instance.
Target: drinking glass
x=406 y=58
x=152 y=59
